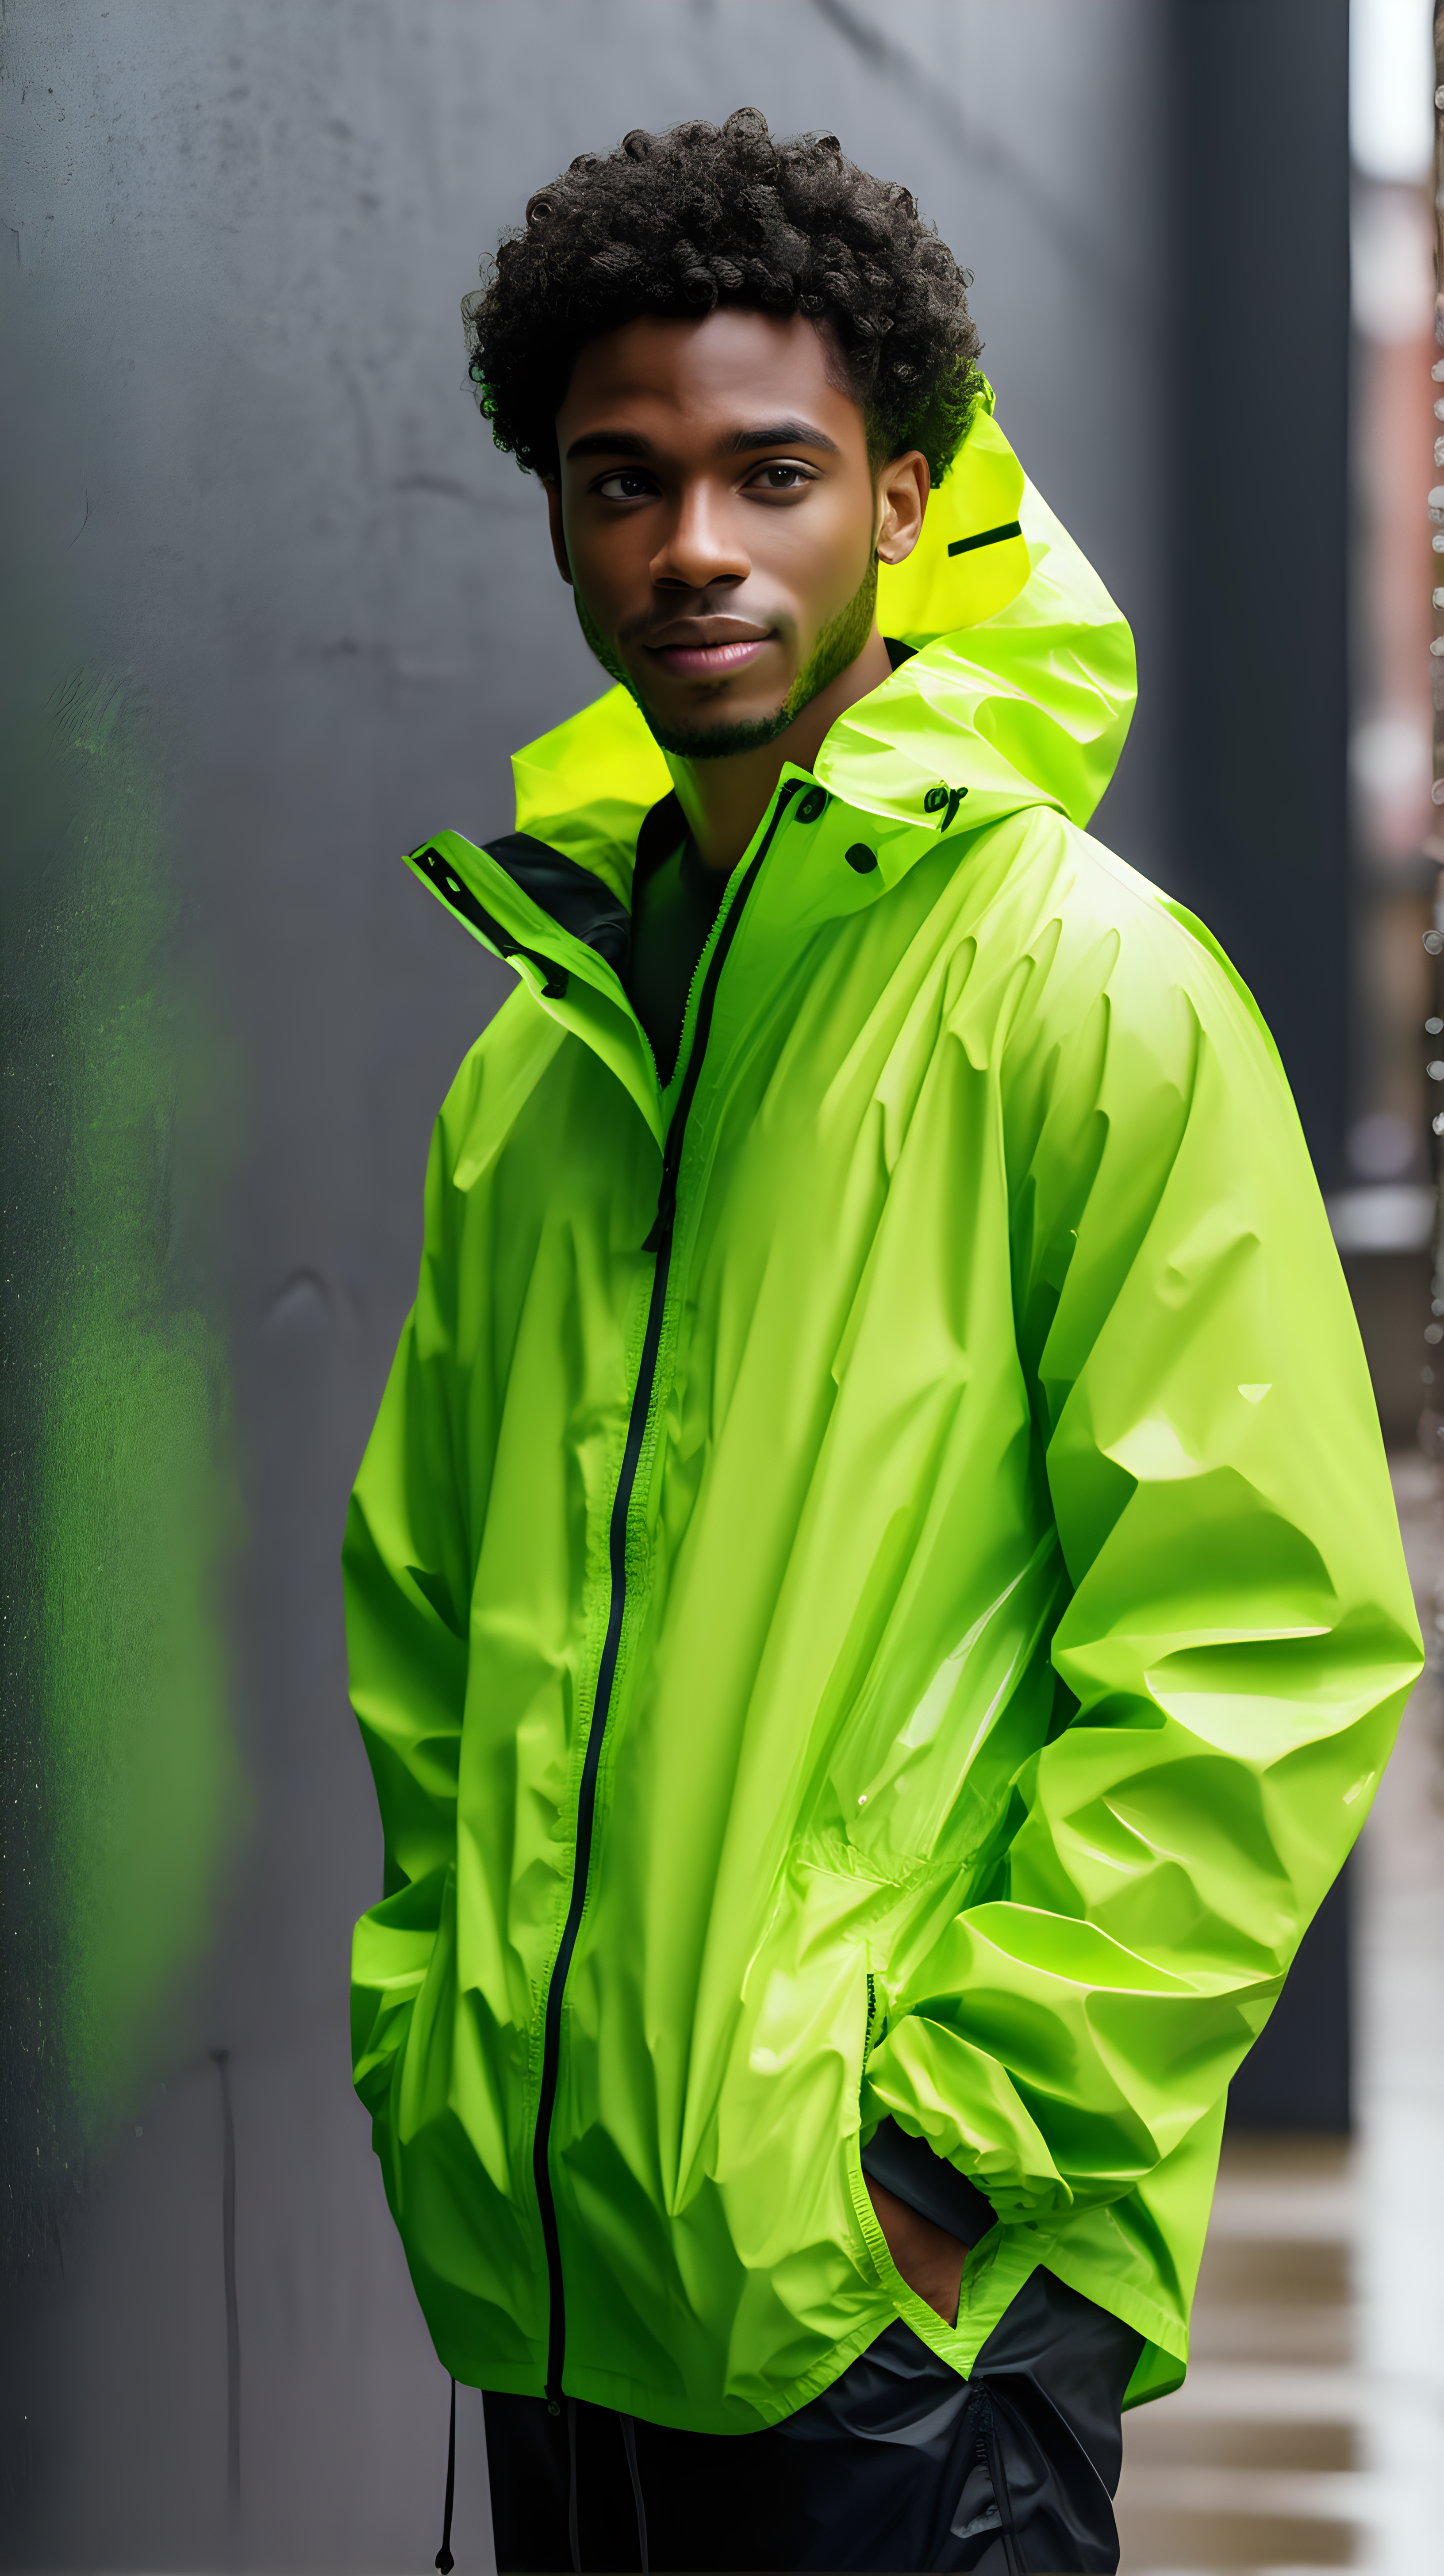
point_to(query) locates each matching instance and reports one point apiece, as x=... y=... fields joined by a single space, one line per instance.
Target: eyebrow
x=781 y=433
x=784 y=433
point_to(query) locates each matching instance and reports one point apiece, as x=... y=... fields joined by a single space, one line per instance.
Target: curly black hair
x=675 y=224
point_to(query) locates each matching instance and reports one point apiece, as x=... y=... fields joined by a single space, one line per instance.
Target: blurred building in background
x=277 y=612
x=1384 y=1217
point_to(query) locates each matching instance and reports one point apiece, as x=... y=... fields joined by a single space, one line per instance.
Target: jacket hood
x=1018 y=691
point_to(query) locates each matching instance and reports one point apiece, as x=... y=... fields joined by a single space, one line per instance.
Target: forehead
x=729 y=370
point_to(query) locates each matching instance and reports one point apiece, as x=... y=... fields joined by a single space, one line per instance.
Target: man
x=875 y=1606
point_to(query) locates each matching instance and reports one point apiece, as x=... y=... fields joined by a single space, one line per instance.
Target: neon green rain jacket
x=874 y=1588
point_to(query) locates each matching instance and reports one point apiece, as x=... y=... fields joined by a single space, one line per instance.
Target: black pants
x=900 y=2465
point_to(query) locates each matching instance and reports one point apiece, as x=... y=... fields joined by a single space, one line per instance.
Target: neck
x=725 y=800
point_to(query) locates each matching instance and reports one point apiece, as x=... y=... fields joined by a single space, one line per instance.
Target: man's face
x=719 y=520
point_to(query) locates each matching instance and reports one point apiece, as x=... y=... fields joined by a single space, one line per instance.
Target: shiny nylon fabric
x=1015 y=1619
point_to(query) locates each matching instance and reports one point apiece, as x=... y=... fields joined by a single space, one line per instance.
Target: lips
x=707 y=648
x=709 y=661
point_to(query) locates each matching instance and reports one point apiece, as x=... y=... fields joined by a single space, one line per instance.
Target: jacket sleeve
x=1238 y=1638
x=405 y=1564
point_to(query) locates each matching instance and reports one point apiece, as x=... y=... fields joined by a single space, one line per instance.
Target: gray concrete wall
x=254 y=518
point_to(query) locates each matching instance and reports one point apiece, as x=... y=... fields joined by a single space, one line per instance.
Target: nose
x=702 y=548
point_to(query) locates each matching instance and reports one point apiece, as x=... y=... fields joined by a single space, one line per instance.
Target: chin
x=722 y=737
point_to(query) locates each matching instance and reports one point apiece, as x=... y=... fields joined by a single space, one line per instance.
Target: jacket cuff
x=941 y=2088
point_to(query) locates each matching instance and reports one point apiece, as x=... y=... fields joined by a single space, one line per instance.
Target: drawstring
x=629 y=2445
x=444 y=2559
x=572 y=2532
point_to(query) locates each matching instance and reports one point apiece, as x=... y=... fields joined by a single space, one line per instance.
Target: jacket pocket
x=915 y=2312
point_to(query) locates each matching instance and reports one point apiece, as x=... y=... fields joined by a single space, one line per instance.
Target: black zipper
x=660 y=1242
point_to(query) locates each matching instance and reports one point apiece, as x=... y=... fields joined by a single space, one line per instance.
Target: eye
x=781 y=478
x=629 y=484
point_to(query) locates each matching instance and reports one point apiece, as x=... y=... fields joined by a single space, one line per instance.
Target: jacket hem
x=1163 y=2364
x=655 y=2406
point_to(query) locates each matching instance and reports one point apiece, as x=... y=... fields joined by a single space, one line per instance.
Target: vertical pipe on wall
x=1259 y=363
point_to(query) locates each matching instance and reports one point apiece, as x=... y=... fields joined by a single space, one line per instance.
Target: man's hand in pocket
x=929 y=2259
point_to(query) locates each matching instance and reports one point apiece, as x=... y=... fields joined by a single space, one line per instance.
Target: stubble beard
x=836 y=649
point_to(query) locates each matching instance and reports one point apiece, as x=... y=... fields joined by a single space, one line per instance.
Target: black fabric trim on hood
x=577 y=901
x=986 y=537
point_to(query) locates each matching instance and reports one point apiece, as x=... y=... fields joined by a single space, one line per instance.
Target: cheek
x=610 y=558
x=828 y=560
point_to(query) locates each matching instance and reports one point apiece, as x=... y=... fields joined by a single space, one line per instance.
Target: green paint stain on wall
x=133 y=1492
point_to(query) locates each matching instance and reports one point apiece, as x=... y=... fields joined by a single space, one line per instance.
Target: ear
x=551 y=485
x=902 y=499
